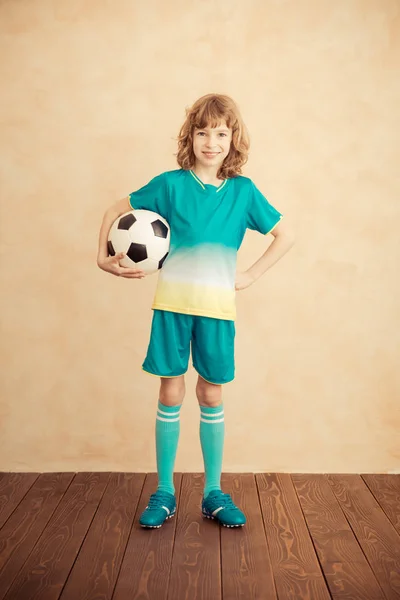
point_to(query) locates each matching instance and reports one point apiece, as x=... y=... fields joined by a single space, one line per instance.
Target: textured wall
x=93 y=95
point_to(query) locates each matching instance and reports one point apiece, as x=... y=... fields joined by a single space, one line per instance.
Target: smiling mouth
x=211 y=153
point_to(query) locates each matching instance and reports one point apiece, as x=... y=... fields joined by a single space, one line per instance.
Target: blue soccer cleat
x=161 y=506
x=219 y=506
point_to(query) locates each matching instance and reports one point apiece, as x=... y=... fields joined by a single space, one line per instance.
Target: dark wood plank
x=196 y=562
x=386 y=489
x=22 y=530
x=376 y=535
x=295 y=565
x=95 y=571
x=346 y=569
x=13 y=487
x=146 y=565
x=46 y=569
x=246 y=564
x=314 y=532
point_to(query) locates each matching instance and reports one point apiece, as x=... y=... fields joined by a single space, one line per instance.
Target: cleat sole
x=212 y=518
x=157 y=526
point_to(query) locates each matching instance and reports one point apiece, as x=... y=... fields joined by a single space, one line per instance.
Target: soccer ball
x=144 y=238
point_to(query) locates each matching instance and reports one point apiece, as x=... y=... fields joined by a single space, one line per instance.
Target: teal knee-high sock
x=212 y=434
x=167 y=437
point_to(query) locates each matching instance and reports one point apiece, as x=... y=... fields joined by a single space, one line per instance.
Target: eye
x=223 y=134
x=200 y=133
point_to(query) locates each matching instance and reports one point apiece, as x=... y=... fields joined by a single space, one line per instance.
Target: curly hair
x=209 y=111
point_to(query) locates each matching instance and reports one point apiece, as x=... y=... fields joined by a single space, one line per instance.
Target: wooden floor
x=77 y=537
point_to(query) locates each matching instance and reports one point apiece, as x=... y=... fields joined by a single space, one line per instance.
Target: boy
x=208 y=206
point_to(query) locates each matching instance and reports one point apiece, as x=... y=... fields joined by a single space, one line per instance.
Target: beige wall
x=93 y=95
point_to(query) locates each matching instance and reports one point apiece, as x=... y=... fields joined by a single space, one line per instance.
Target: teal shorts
x=174 y=334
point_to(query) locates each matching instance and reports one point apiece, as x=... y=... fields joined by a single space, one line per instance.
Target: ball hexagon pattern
x=143 y=236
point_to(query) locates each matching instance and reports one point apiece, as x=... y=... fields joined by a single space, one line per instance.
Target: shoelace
x=156 y=500
x=225 y=500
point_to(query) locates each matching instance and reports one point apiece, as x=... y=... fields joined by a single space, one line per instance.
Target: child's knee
x=172 y=390
x=208 y=394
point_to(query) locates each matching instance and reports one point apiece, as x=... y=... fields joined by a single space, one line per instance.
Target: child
x=208 y=206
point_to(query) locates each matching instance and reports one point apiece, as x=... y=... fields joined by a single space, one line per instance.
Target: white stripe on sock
x=211 y=416
x=162 y=412
x=167 y=420
x=208 y=421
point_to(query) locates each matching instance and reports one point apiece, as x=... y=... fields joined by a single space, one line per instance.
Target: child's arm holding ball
x=111 y=263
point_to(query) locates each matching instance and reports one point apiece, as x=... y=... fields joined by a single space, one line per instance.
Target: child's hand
x=243 y=281
x=111 y=265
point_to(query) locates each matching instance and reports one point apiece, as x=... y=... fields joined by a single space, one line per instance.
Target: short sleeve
x=152 y=196
x=261 y=215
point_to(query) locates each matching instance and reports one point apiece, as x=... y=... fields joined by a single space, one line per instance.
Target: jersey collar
x=208 y=187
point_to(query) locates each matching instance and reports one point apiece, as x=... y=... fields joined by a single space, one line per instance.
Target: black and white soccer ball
x=143 y=236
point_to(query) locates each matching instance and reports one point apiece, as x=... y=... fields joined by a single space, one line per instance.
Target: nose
x=211 y=142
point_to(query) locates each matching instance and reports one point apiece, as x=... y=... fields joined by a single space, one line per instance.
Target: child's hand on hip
x=243 y=281
x=111 y=265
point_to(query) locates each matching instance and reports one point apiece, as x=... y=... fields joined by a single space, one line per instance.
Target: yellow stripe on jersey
x=189 y=298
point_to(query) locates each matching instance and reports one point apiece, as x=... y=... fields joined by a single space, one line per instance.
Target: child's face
x=211 y=145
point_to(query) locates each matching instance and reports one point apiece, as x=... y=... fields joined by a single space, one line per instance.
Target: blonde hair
x=210 y=111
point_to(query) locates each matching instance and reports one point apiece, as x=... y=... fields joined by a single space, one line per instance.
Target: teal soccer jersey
x=208 y=224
